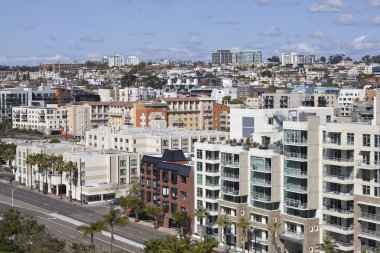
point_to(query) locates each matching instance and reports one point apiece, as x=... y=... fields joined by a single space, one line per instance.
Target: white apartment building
x=132 y=94
x=148 y=140
x=268 y=123
x=347 y=97
x=44 y=74
x=132 y=60
x=296 y=58
x=115 y=60
x=50 y=119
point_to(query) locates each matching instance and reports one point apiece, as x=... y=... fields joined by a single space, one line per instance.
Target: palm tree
x=9 y=155
x=70 y=167
x=173 y=245
x=60 y=167
x=154 y=246
x=113 y=218
x=223 y=222
x=40 y=160
x=31 y=160
x=92 y=228
x=45 y=164
x=201 y=213
x=328 y=245
x=273 y=228
x=244 y=225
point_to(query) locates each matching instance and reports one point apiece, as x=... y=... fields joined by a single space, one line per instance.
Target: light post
x=13 y=188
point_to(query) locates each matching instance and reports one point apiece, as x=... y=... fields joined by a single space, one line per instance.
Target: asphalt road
x=41 y=207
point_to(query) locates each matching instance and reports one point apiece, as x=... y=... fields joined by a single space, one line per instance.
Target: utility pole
x=14 y=187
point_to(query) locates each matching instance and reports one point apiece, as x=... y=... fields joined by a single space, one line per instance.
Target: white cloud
x=347 y=19
x=374 y=3
x=376 y=20
x=263 y=2
x=54 y=57
x=304 y=48
x=318 y=35
x=273 y=31
x=327 y=6
x=364 y=43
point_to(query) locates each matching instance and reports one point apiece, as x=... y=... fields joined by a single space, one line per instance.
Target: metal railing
x=295 y=140
x=369 y=249
x=230 y=176
x=230 y=163
x=339 y=177
x=371 y=232
x=338 y=159
x=295 y=155
x=338 y=210
x=261 y=182
x=294 y=233
x=295 y=172
x=370 y=216
x=261 y=196
x=344 y=244
x=230 y=190
x=295 y=203
x=351 y=227
x=264 y=168
x=295 y=187
x=338 y=193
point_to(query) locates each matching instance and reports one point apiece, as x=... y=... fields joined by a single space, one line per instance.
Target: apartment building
x=99 y=113
x=221 y=117
x=120 y=113
x=148 y=140
x=347 y=97
x=150 y=114
x=282 y=99
x=78 y=120
x=193 y=113
x=49 y=119
x=132 y=60
x=168 y=183
x=296 y=58
x=29 y=175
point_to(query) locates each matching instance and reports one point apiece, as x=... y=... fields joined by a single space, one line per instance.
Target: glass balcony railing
x=370 y=216
x=295 y=155
x=295 y=203
x=372 y=233
x=230 y=190
x=261 y=196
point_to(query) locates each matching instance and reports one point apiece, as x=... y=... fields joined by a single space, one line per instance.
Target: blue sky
x=37 y=31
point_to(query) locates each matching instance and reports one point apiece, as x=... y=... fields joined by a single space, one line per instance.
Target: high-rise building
x=246 y=57
x=295 y=58
x=115 y=61
x=221 y=57
x=132 y=60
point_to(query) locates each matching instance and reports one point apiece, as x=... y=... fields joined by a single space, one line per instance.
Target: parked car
x=114 y=202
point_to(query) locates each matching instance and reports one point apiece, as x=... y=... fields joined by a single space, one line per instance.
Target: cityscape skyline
x=174 y=29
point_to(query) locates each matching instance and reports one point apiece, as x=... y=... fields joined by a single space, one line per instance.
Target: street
x=62 y=217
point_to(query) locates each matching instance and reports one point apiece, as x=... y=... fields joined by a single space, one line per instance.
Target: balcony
x=296 y=141
x=295 y=156
x=292 y=235
x=212 y=197
x=230 y=164
x=338 y=161
x=294 y=203
x=338 y=178
x=338 y=195
x=230 y=176
x=344 y=246
x=340 y=212
x=213 y=172
x=230 y=191
x=261 y=197
x=261 y=168
x=370 y=217
x=371 y=234
x=261 y=182
x=367 y=165
x=296 y=188
x=338 y=228
x=295 y=173
x=212 y=187
x=369 y=249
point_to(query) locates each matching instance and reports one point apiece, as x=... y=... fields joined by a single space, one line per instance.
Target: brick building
x=168 y=183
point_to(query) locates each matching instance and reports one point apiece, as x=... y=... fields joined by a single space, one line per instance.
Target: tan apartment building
x=78 y=120
x=220 y=117
x=150 y=114
x=120 y=113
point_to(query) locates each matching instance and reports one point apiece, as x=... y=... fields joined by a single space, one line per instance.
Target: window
x=377 y=158
x=183 y=179
x=248 y=126
x=366 y=175
x=165 y=206
x=123 y=163
x=366 y=140
x=183 y=195
x=377 y=191
x=371 y=226
x=148 y=183
x=199 y=192
x=142 y=181
x=199 y=166
x=199 y=153
x=173 y=178
x=366 y=190
x=377 y=140
x=148 y=196
x=173 y=207
x=366 y=156
x=165 y=191
x=174 y=193
x=165 y=143
x=350 y=138
x=165 y=176
x=199 y=179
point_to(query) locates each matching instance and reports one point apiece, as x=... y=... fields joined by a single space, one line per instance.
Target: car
x=114 y=202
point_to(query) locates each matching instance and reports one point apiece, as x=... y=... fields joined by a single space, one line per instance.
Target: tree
x=10 y=155
x=273 y=229
x=179 y=219
x=274 y=59
x=114 y=218
x=267 y=73
x=23 y=234
x=60 y=167
x=91 y=229
x=31 y=160
x=322 y=59
x=327 y=245
x=133 y=200
x=244 y=225
x=224 y=223
x=337 y=58
x=182 y=245
x=154 y=246
x=82 y=248
x=70 y=167
x=201 y=213
x=153 y=213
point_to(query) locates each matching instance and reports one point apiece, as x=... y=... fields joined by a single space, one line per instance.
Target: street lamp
x=13 y=188
x=254 y=233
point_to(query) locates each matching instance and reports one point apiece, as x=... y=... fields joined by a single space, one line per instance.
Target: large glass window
x=377 y=140
x=199 y=153
x=366 y=190
x=199 y=179
x=366 y=140
x=350 y=138
x=199 y=166
x=199 y=192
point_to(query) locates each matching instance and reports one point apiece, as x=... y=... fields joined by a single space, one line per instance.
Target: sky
x=40 y=31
